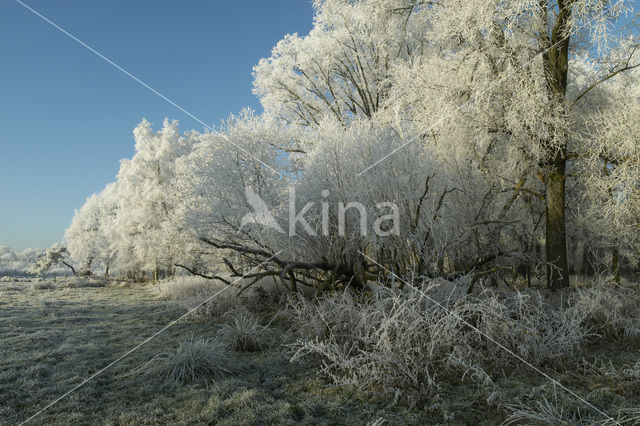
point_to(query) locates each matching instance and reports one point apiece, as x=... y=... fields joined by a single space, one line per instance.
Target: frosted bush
x=530 y=326
x=565 y=413
x=190 y=292
x=46 y=285
x=611 y=311
x=404 y=342
x=181 y=287
x=627 y=373
x=81 y=282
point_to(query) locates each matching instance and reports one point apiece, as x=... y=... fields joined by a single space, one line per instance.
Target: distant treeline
x=19 y=264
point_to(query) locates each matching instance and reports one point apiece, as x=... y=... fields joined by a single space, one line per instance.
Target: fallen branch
x=209 y=277
x=286 y=268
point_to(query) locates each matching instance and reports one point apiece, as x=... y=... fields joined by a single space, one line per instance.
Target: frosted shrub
x=82 y=282
x=611 y=311
x=529 y=326
x=181 y=287
x=404 y=342
x=565 y=413
x=438 y=203
x=46 y=285
x=369 y=343
x=196 y=359
x=597 y=368
x=190 y=292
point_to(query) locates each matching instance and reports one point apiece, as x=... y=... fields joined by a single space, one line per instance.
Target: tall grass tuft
x=195 y=360
x=243 y=333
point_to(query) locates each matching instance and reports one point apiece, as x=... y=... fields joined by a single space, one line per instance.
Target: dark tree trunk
x=292 y=280
x=615 y=261
x=556 y=66
x=73 y=270
x=556 y=236
x=588 y=261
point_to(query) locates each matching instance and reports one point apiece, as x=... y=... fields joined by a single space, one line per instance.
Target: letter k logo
x=261 y=213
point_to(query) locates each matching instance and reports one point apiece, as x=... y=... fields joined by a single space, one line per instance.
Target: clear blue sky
x=66 y=116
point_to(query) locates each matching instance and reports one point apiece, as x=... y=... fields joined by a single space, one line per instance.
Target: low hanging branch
x=199 y=274
x=477 y=266
x=482 y=274
x=286 y=269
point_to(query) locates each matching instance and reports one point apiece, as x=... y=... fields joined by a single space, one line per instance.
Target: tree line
x=506 y=133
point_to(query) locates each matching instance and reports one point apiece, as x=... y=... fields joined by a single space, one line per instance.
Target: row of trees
x=502 y=130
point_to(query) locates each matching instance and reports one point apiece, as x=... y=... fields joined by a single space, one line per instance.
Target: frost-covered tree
x=505 y=73
x=341 y=69
x=212 y=180
x=53 y=256
x=87 y=238
x=609 y=170
x=141 y=232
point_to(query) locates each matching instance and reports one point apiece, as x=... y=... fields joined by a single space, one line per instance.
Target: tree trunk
x=292 y=280
x=556 y=66
x=73 y=270
x=572 y=249
x=615 y=260
x=556 y=236
x=588 y=260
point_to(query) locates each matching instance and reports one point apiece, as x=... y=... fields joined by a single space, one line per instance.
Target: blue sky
x=66 y=116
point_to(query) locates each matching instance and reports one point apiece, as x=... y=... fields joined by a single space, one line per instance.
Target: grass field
x=52 y=338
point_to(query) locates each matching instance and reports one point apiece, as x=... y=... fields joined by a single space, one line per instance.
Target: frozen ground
x=53 y=335
x=52 y=338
